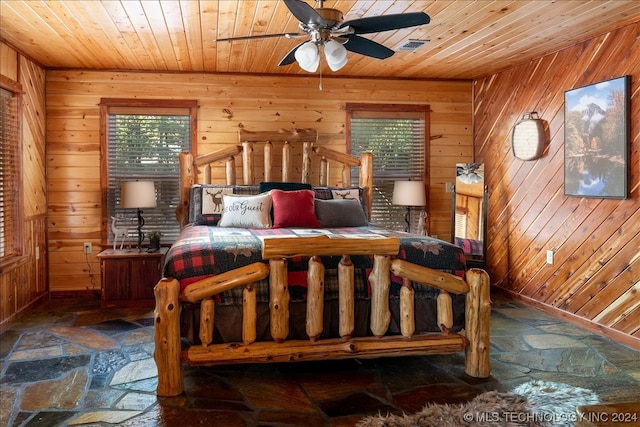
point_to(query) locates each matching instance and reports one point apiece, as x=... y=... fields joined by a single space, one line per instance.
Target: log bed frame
x=169 y=356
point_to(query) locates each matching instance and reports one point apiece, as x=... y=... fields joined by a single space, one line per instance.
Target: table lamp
x=408 y=193
x=138 y=195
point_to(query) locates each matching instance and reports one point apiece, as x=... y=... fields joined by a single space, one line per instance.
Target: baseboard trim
x=605 y=331
x=13 y=319
x=75 y=294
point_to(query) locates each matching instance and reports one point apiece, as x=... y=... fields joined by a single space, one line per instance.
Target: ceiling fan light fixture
x=328 y=30
x=308 y=56
x=335 y=66
x=336 y=55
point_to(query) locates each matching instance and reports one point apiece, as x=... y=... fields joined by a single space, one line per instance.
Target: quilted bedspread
x=470 y=246
x=203 y=250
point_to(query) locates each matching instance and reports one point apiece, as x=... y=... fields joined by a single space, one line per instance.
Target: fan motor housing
x=333 y=16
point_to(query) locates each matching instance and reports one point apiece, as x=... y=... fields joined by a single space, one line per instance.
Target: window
x=10 y=213
x=397 y=137
x=142 y=142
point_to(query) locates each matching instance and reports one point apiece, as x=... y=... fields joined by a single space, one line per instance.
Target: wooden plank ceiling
x=468 y=39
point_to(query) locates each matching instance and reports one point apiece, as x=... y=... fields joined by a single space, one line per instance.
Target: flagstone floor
x=71 y=363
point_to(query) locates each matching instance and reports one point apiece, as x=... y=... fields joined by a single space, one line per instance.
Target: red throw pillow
x=294 y=209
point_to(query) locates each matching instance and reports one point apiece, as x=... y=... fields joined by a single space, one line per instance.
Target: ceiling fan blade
x=290 y=57
x=264 y=36
x=304 y=13
x=375 y=24
x=367 y=47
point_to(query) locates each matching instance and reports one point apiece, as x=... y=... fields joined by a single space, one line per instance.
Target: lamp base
x=140 y=233
x=407 y=216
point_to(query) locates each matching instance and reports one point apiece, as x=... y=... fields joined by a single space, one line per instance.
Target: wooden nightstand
x=128 y=276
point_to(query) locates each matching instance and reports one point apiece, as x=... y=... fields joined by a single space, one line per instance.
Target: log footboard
x=327 y=349
x=474 y=341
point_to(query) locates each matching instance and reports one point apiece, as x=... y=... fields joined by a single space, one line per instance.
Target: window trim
x=424 y=109
x=105 y=105
x=16 y=252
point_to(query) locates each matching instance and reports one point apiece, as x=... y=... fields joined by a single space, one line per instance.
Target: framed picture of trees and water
x=596 y=139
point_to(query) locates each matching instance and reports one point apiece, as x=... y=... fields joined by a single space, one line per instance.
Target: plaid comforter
x=470 y=246
x=203 y=250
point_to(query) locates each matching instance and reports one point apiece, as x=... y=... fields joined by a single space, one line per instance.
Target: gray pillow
x=340 y=213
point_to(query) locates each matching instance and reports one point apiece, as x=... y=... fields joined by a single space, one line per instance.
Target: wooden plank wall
x=596 y=275
x=23 y=281
x=226 y=102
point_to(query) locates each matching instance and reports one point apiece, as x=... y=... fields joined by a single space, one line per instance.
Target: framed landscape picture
x=596 y=139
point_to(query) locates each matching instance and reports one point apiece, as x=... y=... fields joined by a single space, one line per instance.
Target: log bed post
x=249 y=314
x=286 y=161
x=247 y=163
x=167 y=338
x=279 y=299
x=366 y=178
x=315 y=298
x=477 y=320
x=306 y=161
x=207 y=313
x=187 y=179
x=444 y=306
x=268 y=161
x=346 y=296
x=230 y=171
x=324 y=172
x=380 y=281
x=407 y=309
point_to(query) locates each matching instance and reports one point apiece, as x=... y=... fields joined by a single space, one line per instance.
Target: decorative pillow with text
x=246 y=211
x=206 y=203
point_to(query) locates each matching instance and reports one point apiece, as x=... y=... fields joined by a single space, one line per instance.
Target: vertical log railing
x=277 y=250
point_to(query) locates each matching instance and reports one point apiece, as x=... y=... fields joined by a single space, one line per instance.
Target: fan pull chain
x=320 y=85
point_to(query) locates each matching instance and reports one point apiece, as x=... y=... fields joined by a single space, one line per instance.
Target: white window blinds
x=146 y=147
x=9 y=176
x=397 y=140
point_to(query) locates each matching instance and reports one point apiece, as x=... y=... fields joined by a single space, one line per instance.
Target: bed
x=286 y=271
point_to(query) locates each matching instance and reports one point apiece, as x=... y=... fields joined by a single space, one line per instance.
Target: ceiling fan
x=326 y=29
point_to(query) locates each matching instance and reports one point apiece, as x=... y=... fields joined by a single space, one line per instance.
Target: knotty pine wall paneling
x=595 y=278
x=226 y=102
x=23 y=279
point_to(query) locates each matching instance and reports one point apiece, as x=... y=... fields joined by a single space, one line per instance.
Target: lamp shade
x=138 y=194
x=336 y=55
x=308 y=56
x=409 y=193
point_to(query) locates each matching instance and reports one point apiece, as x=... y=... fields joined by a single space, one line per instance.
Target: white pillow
x=246 y=211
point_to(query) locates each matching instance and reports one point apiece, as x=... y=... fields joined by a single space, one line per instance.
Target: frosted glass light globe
x=308 y=57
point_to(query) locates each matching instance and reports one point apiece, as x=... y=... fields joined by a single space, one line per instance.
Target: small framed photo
x=596 y=139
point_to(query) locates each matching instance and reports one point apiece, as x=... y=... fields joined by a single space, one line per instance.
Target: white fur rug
x=533 y=404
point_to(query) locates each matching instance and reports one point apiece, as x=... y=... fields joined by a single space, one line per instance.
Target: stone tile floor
x=71 y=363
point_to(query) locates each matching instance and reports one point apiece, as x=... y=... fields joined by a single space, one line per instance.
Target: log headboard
x=195 y=170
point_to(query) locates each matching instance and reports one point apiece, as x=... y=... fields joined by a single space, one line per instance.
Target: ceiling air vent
x=411 y=45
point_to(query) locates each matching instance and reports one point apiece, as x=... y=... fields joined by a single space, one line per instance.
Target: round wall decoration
x=527 y=139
